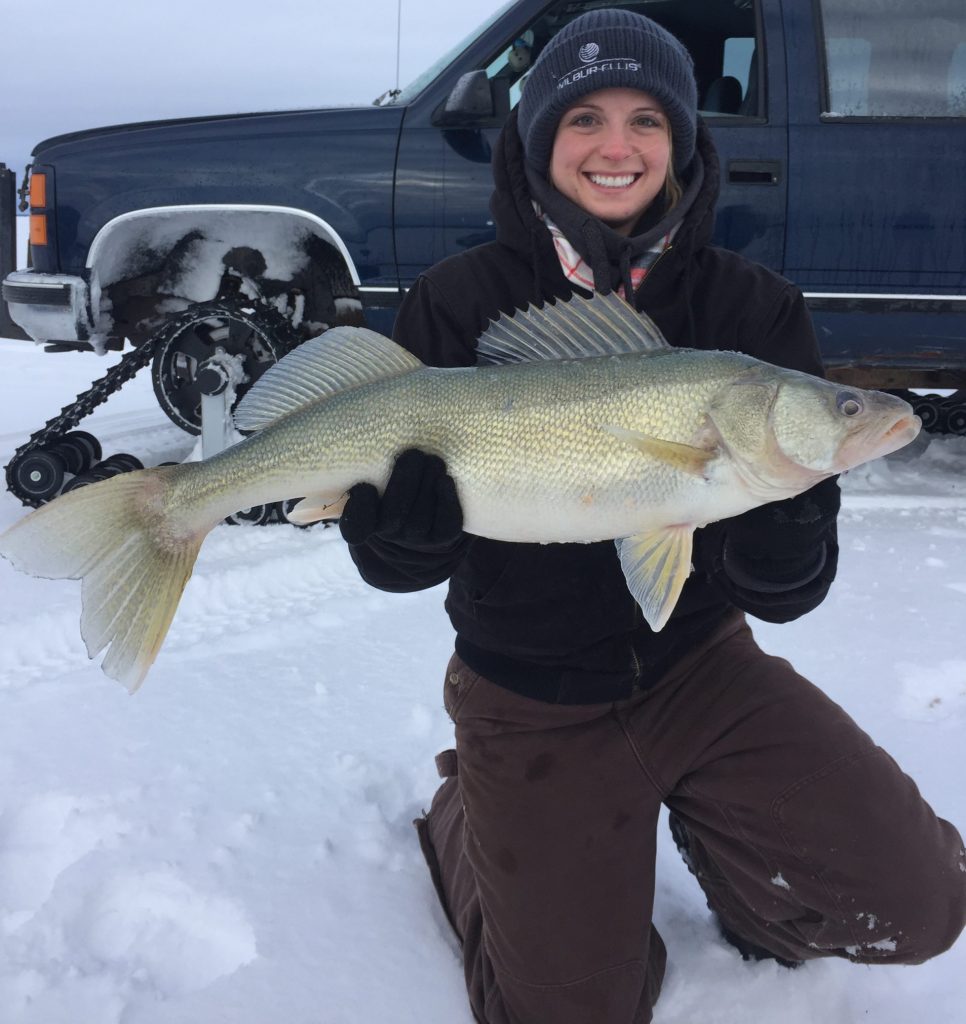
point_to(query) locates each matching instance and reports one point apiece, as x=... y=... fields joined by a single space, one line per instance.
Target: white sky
x=103 y=62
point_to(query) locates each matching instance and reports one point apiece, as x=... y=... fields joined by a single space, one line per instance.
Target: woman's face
x=611 y=155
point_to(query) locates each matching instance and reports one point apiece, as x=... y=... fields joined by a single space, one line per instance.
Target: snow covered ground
x=233 y=844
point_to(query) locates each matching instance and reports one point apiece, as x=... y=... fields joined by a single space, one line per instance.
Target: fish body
x=523 y=441
x=581 y=425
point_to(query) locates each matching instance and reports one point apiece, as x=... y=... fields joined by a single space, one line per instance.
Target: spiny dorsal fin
x=603 y=325
x=339 y=359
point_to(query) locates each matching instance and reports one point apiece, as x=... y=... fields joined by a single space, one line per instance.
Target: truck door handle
x=754 y=172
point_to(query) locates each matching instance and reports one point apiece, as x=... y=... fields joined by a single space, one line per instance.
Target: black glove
x=419 y=508
x=775 y=562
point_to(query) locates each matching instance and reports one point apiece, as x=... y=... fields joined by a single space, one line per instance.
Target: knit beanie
x=608 y=49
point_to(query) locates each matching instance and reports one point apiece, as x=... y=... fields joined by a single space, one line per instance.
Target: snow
x=234 y=843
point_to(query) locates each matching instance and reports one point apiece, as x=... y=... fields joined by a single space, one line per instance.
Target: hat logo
x=588 y=52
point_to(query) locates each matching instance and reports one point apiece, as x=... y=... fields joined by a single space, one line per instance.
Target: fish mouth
x=858 y=449
x=903 y=431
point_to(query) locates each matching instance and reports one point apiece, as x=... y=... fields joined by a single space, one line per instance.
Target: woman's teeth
x=612 y=180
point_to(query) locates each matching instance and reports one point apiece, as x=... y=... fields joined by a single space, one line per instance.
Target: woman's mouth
x=612 y=181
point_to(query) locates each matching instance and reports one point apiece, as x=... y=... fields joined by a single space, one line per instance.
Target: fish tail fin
x=133 y=557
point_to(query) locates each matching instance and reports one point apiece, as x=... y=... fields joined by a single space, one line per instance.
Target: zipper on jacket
x=651 y=269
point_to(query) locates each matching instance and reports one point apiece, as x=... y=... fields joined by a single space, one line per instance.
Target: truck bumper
x=49 y=307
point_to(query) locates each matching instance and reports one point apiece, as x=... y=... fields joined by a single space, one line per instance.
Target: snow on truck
x=206 y=248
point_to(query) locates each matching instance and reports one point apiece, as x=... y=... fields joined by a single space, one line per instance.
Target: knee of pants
x=933 y=902
x=895 y=872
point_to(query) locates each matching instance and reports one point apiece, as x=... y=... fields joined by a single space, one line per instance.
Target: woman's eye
x=849 y=403
x=583 y=121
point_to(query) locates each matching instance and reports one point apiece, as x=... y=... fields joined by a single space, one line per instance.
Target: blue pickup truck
x=841 y=127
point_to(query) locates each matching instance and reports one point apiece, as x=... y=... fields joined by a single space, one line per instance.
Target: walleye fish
x=580 y=424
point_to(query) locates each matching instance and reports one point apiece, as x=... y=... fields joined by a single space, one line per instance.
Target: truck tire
x=258 y=334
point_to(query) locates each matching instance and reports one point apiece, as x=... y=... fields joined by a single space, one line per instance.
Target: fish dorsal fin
x=580 y=328
x=339 y=359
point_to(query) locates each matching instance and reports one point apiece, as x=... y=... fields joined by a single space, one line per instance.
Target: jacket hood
x=607 y=252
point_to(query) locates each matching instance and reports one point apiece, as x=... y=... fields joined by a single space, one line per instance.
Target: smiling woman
x=611 y=155
x=576 y=719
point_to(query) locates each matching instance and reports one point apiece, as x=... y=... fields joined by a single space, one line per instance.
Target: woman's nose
x=616 y=145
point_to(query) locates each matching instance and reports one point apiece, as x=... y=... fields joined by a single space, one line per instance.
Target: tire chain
x=100 y=390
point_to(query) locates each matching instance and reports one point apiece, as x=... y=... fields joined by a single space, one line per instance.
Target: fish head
x=786 y=430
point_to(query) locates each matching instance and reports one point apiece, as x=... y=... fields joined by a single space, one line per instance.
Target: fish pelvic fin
x=655 y=565
x=132 y=562
x=340 y=359
x=317 y=507
x=684 y=457
x=579 y=328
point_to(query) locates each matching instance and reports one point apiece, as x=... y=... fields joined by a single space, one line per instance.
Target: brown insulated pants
x=808 y=839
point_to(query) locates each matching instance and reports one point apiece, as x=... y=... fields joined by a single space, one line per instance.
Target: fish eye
x=849 y=403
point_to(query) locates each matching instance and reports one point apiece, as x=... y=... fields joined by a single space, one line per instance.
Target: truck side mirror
x=469 y=100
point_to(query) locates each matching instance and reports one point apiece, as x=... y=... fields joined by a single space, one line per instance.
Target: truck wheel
x=260 y=336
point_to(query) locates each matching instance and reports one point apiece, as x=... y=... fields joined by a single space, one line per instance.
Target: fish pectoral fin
x=656 y=564
x=684 y=457
x=317 y=507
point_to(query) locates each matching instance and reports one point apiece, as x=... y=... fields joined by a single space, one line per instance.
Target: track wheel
x=257 y=515
x=927 y=409
x=39 y=474
x=122 y=462
x=78 y=449
x=114 y=466
x=956 y=418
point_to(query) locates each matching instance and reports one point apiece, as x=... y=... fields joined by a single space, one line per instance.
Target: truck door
x=739 y=63
x=444 y=180
x=877 y=151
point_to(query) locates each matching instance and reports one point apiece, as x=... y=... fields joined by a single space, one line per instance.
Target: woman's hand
x=777 y=561
x=418 y=510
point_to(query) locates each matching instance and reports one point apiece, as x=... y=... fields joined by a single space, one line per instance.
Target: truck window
x=721 y=35
x=894 y=58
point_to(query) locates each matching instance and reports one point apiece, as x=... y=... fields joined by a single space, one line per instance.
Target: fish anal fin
x=317 y=507
x=656 y=564
x=684 y=457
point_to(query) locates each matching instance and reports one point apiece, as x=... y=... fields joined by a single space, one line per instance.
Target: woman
x=574 y=721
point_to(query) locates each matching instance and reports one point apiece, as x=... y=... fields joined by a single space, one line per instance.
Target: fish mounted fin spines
x=339 y=359
x=579 y=328
x=656 y=565
x=132 y=562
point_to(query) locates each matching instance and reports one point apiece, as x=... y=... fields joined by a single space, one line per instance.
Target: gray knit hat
x=608 y=49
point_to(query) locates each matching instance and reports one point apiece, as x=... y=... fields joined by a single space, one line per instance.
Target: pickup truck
x=840 y=124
